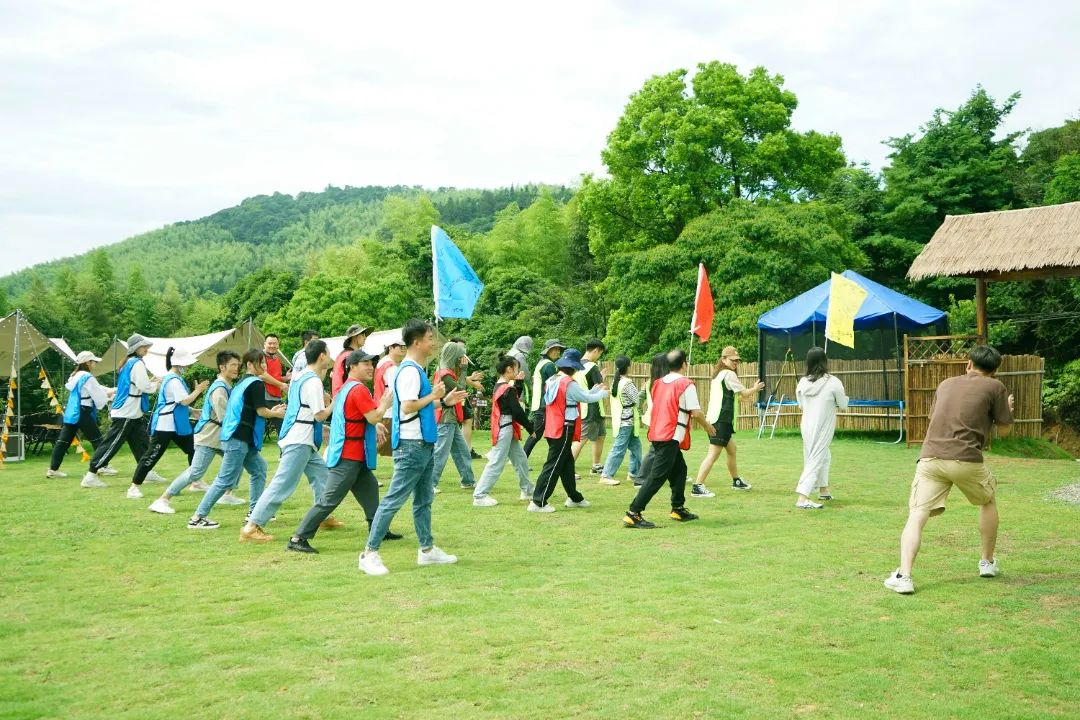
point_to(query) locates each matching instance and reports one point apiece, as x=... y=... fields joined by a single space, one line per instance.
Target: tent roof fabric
x=31 y=342
x=204 y=347
x=1010 y=244
x=876 y=311
x=374 y=345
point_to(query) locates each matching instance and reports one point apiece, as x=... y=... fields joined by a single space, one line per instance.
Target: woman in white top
x=820 y=395
x=80 y=413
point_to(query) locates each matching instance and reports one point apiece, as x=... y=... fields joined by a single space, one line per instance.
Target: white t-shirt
x=91 y=388
x=303 y=433
x=408 y=388
x=140 y=382
x=688 y=402
x=388 y=379
x=174 y=393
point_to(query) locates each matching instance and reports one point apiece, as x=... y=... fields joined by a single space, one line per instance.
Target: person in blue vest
x=351 y=451
x=207 y=432
x=130 y=403
x=300 y=439
x=86 y=397
x=412 y=436
x=171 y=419
x=242 y=433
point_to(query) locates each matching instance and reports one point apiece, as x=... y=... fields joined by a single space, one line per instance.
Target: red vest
x=273 y=367
x=496 y=414
x=666 y=417
x=459 y=409
x=379 y=383
x=555 y=413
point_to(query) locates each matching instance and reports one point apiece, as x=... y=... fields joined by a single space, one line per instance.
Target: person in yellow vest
x=593 y=425
x=723 y=404
x=624 y=420
x=544 y=370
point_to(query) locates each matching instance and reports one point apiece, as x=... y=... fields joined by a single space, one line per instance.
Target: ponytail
x=622 y=365
x=505 y=362
x=168 y=358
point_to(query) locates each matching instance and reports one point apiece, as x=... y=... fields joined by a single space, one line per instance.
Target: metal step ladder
x=770 y=419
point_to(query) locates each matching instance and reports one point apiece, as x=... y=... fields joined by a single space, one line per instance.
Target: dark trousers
x=87 y=425
x=538 y=418
x=558 y=466
x=667 y=465
x=348 y=476
x=159 y=443
x=130 y=430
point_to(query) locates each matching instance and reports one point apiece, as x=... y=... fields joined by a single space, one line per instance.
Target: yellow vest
x=579 y=377
x=617 y=408
x=646 y=416
x=537 y=383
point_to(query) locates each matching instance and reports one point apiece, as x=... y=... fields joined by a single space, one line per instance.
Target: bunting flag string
x=13 y=386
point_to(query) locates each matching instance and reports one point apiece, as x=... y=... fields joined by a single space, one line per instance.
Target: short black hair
x=224 y=357
x=308 y=335
x=676 y=359
x=594 y=343
x=985 y=358
x=254 y=356
x=505 y=362
x=267 y=336
x=414 y=330
x=314 y=350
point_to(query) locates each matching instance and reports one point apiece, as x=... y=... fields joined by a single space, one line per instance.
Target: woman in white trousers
x=820 y=395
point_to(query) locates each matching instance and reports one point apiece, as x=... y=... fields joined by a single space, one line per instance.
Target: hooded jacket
x=520 y=352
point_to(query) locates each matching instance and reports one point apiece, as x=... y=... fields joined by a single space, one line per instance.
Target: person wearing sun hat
x=545 y=368
x=87 y=396
x=355 y=337
x=170 y=422
x=129 y=406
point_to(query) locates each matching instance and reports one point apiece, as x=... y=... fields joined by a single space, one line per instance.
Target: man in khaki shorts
x=961 y=417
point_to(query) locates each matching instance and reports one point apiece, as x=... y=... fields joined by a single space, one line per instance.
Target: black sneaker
x=392 y=536
x=300 y=545
x=596 y=470
x=475 y=455
x=738 y=484
x=682 y=514
x=201 y=523
x=634 y=520
x=468 y=486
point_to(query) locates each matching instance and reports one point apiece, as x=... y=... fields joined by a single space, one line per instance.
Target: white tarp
x=204 y=347
x=65 y=349
x=374 y=345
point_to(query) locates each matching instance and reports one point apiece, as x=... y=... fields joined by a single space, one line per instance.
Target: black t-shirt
x=592 y=378
x=254 y=397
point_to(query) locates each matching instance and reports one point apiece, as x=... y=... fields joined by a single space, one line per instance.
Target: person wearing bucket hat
x=170 y=422
x=562 y=427
x=129 y=406
x=87 y=396
x=545 y=368
x=355 y=337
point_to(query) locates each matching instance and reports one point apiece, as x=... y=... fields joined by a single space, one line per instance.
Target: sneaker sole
x=203 y=527
x=899 y=591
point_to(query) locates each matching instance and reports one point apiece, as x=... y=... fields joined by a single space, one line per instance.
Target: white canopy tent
x=375 y=344
x=204 y=347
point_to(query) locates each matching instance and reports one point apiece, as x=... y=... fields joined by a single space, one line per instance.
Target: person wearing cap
x=384 y=378
x=723 y=404
x=507 y=420
x=593 y=425
x=448 y=418
x=674 y=404
x=299 y=359
x=545 y=368
x=355 y=337
x=350 y=452
x=472 y=380
x=129 y=406
x=562 y=428
x=86 y=397
x=300 y=439
x=171 y=420
x=207 y=434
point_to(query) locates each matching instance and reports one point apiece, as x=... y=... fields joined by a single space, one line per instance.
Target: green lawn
x=757 y=610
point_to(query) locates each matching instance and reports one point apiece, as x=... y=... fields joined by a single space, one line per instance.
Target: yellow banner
x=845 y=299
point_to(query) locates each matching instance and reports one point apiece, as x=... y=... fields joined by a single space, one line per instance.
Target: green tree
x=1044 y=148
x=5 y=308
x=170 y=307
x=141 y=314
x=257 y=295
x=407 y=224
x=1065 y=185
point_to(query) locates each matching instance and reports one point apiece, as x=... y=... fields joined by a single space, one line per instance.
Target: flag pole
x=690 y=357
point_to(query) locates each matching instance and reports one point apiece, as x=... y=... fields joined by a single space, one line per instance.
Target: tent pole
x=900 y=368
x=18 y=385
x=761 y=361
x=884 y=365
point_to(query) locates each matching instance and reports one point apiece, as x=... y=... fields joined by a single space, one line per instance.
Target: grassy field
x=757 y=610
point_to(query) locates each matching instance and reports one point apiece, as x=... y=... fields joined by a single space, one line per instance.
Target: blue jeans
x=506 y=449
x=200 y=463
x=239 y=456
x=625 y=440
x=451 y=444
x=296 y=460
x=414 y=476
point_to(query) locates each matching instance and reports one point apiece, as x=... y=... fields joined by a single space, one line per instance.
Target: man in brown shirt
x=964 y=411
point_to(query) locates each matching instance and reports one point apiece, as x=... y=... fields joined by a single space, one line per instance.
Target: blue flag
x=455 y=282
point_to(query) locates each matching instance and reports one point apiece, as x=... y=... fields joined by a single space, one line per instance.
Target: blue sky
x=121 y=117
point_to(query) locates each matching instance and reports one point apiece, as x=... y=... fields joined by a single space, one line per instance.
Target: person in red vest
x=507 y=420
x=274 y=377
x=385 y=372
x=674 y=402
x=562 y=428
x=355 y=337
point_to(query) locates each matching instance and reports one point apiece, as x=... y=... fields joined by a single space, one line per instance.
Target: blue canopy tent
x=803 y=318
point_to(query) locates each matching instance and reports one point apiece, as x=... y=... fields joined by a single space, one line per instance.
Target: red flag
x=701 y=323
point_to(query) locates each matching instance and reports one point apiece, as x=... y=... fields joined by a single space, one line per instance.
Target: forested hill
x=213 y=253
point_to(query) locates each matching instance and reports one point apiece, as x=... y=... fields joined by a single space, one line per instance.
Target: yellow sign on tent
x=845 y=299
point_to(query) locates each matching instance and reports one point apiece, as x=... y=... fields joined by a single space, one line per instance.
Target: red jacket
x=666 y=415
x=555 y=413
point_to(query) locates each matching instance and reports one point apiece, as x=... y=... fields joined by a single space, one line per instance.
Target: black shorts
x=466 y=411
x=724 y=431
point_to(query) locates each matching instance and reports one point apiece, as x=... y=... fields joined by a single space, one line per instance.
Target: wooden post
x=980 y=309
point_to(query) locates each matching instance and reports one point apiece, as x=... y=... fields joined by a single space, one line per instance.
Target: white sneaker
x=525 y=495
x=988 y=569
x=134 y=493
x=435 y=556
x=50 y=473
x=91 y=480
x=533 y=507
x=107 y=470
x=582 y=504
x=371 y=563
x=153 y=476
x=199 y=486
x=608 y=481
x=232 y=500
x=485 y=501
x=902 y=584
x=161 y=505
x=808 y=505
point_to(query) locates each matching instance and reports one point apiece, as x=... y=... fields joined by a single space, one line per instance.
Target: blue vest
x=345 y=428
x=124 y=390
x=74 y=403
x=207 y=406
x=292 y=412
x=234 y=412
x=180 y=412
x=426 y=416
